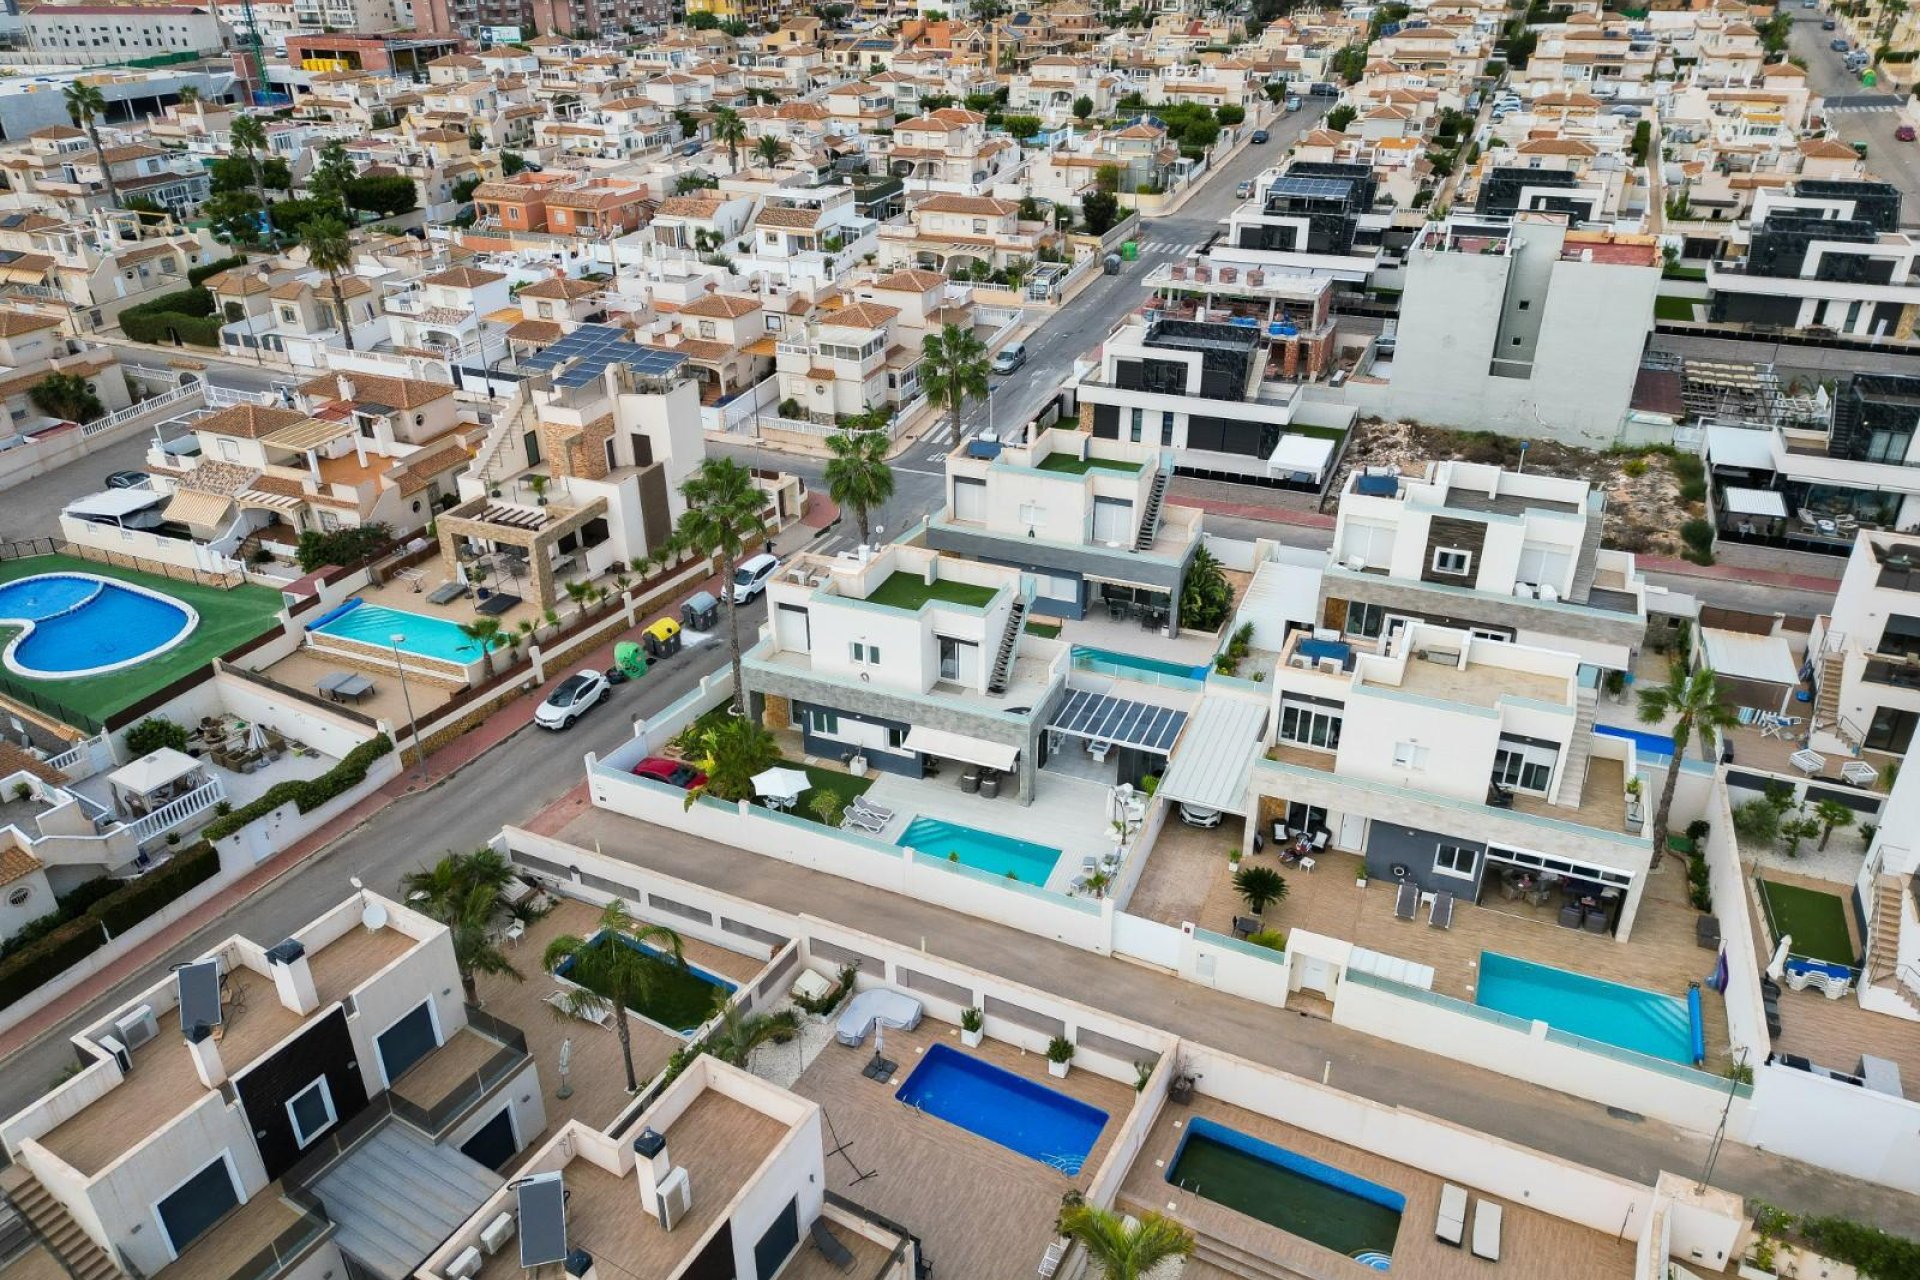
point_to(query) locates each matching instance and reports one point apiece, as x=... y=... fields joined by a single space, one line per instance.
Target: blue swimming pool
x=1088 y=657
x=1040 y=1123
x=76 y=624
x=1627 y=1017
x=426 y=636
x=982 y=850
x=1652 y=748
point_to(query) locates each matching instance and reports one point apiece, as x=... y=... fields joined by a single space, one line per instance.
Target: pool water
x=1285 y=1189
x=683 y=997
x=1626 y=1017
x=1040 y=1123
x=75 y=624
x=1651 y=748
x=1085 y=655
x=426 y=636
x=981 y=850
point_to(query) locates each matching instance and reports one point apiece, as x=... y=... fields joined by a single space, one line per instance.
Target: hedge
x=199 y=274
x=307 y=794
x=188 y=313
x=33 y=966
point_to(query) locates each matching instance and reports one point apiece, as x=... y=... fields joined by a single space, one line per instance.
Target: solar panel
x=543 y=1219
x=583 y=355
x=199 y=988
x=1121 y=721
x=1314 y=188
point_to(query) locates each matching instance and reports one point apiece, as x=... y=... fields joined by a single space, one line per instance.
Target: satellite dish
x=374 y=916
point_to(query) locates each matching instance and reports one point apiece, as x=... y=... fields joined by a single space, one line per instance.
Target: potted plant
x=1233 y=857
x=972 y=1027
x=538 y=483
x=1059 y=1054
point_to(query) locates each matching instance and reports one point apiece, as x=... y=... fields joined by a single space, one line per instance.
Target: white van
x=750 y=578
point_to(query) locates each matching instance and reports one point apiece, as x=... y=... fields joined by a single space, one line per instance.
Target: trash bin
x=701 y=611
x=662 y=639
x=1130 y=250
x=1112 y=264
x=989 y=785
x=628 y=659
x=970 y=781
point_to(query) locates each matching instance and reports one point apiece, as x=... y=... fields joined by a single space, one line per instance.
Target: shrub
x=140 y=898
x=154 y=733
x=27 y=969
x=1698 y=535
x=341 y=547
x=1059 y=1049
x=306 y=794
x=1691 y=472
x=825 y=1005
x=1870 y=1249
x=189 y=314
x=198 y=275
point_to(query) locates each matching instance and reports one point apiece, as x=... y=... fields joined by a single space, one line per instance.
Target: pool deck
x=1068 y=814
x=1533 y=1244
x=980 y=1209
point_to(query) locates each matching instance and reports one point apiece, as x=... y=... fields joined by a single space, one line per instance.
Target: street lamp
x=413 y=729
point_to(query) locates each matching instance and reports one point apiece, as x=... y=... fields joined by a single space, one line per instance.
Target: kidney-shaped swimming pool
x=76 y=624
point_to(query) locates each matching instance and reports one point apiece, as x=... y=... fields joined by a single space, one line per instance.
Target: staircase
x=397 y=1197
x=1883 y=934
x=1150 y=518
x=76 y=1251
x=1588 y=564
x=491 y=464
x=1573 y=775
x=1009 y=645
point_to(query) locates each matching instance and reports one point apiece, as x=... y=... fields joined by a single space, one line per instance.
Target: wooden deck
x=719 y=1142
x=979 y=1208
x=236 y=1238
x=1533 y=1244
x=35 y=1264
x=164 y=1083
x=438 y=1074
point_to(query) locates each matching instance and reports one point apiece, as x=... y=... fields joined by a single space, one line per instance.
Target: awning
x=114 y=504
x=1755 y=502
x=1741 y=447
x=1210 y=769
x=958 y=746
x=190 y=506
x=1122 y=722
x=1740 y=655
x=152 y=771
x=271 y=501
x=1308 y=454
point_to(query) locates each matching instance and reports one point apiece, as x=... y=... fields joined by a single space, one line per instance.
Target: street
x=1858 y=114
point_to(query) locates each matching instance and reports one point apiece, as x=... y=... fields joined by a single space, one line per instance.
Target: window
x=1365 y=619
x=18 y=897
x=1540 y=564
x=1453 y=561
x=1311 y=726
x=1032 y=513
x=1409 y=755
x=1166 y=428
x=1366 y=546
x=1455 y=860
x=1524 y=764
x=1113 y=521
x=289 y=315
x=823 y=722
x=1134 y=428
x=867 y=653
x=1526 y=304
x=311 y=1111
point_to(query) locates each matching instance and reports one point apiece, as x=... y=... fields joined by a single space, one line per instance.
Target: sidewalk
x=1738 y=573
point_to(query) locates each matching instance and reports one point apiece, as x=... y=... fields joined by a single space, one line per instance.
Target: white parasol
x=781 y=784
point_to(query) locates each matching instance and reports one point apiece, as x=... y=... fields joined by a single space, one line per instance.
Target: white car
x=571 y=699
x=750 y=578
x=1198 y=816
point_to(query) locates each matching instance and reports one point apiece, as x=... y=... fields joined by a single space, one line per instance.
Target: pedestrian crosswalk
x=1878 y=108
x=1173 y=247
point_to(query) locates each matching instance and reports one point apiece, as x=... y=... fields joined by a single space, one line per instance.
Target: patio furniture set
x=237 y=746
x=1296 y=848
x=1091 y=866
x=866 y=817
x=345 y=686
x=1450 y=1222
x=978 y=780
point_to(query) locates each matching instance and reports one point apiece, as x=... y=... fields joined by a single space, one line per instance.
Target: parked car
x=1838 y=45
x=1196 y=816
x=1829 y=25
x=571 y=699
x=1244 y=190
x=750 y=578
x=1010 y=358
x=675 y=773
x=1904 y=133
x=129 y=480
x=1293 y=102
x=1259 y=135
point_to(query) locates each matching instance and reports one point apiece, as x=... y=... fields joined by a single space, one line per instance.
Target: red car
x=1904 y=133
x=675 y=773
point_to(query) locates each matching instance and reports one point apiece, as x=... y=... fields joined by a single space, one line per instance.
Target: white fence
x=738 y=415
x=175 y=812
x=37 y=457
x=222 y=397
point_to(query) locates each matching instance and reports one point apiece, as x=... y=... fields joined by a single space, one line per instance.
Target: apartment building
x=198 y=1133
x=1865 y=652
x=1824 y=256
x=848 y=361
x=117 y=32
x=98 y=264
x=444 y=312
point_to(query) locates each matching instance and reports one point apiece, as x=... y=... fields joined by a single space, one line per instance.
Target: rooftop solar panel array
x=1121 y=721
x=1315 y=188
x=583 y=355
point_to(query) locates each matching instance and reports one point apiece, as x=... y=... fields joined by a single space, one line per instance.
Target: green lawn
x=1670 y=308
x=1080 y=466
x=1684 y=273
x=227 y=619
x=1042 y=628
x=677 y=998
x=1817 y=921
x=910 y=591
x=844 y=785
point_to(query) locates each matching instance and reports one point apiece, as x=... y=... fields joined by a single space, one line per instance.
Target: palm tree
x=188 y=95
x=483 y=631
x=330 y=248
x=462 y=892
x=738 y=1036
x=625 y=974
x=770 y=150
x=955 y=369
x=1123 y=1252
x=66 y=395
x=1260 y=886
x=857 y=474
x=730 y=131
x=249 y=137
x=724 y=512
x=1692 y=699
x=85 y=105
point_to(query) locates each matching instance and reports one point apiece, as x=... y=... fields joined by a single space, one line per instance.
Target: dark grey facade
x=1390 y=847
x=1079 y=563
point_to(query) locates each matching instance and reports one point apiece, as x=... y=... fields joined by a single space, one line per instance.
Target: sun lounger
x=876 y=1004
x=880 y=811
x=1451 y=1223
x=1407 y=904
x=600 y=1017
x=830 y=1248
x=496 y=604
x=856 y=819
x=1050 y=1261
x=446 y=593
x=1486 y=1230
x=1440 y=914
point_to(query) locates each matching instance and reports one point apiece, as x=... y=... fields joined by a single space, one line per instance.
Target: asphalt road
x=1887 y=158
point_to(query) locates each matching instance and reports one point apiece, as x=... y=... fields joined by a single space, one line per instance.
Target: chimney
x=345 y=385
x=206 y=1056
x=293 y=977
x=651 y=1165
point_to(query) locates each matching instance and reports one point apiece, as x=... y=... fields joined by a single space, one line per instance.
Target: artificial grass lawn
x=1670 y=308
x=844 y=785
x=227 y=619
x=1045 y=630
x=1817 y=921
x=910 y=591
x=676 y=997
x=1080 y=466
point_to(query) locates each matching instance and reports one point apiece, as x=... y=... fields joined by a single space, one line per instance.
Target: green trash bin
x=1130 y=250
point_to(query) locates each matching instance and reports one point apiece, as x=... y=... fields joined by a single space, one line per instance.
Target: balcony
x=449 y=1082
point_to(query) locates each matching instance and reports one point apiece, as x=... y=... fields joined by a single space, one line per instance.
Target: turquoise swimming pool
x=1089 y=658
x=1627 y=1017
x=426 y=636
x=981 y=850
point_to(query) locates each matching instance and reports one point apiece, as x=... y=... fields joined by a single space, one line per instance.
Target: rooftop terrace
x=912 y=592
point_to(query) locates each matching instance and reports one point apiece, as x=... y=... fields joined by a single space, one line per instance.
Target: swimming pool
x=76 y=624
x=981 y=850
x=427 y=637
x=1627 y=1017
x=1040 y=1123
x=1285 y=1189
x=1089 y=658
x=1651 y=748
x=681 y=998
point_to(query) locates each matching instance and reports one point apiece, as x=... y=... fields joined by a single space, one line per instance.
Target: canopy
x=1301 y=453
x=1743 y=447
x=781 y=784
x=1755 y=502
x=1210 y=769
x=1743 y=656
x=958 y=746
x=190 y=506
x=152 y=771
x=1119 y=721
x=114 y=504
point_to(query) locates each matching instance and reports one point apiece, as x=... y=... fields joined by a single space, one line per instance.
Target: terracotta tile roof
x=16 y=864
x=703 y=205
x=968 y=204
x=221 y=479
x=911 y=281
x=1828 y=149
x=1556 y=147
x=861 y=315
x=559 y=287
x=14 y=759
x=423 y=467
x=464 y=278
x=14 y=321
x=542 y=331
x=249 y=421
x=57 y=133
x=793 y=219
x=239 y=280
x=597 y=199
x=697 y=349
x=726 y=306
x=373 y=388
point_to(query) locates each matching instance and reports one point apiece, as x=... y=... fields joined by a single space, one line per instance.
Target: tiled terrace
x=437 y=1075
x=164 y=1084
x=1755 y=751
x=235 y=1239
x=1533 y=1244
x=980 y=1209
x=35 y=1264
x=304 y=669
x=1479 y=684
x=598 y=1076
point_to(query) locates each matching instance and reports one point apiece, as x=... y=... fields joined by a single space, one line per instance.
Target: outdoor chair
x=1320 y=839
x=1440 y=914
x=857 y=820
x=829 y=1246
x=1450 y=1225
x=1596 y=921
x=1486 y=1231
x=1407 y=904
x=1572 y=917
x=865 y=805
x=1808 y=761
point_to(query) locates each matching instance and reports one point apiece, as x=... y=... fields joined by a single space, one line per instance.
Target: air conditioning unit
x=120 y=1054
x=466 y=1265
x=137 y=1027
x=676 y=1198
x=496 y=1234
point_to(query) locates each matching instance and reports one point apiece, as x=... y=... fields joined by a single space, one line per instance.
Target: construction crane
x=256 y=79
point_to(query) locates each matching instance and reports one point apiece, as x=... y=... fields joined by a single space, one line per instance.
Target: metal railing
x=291 y=1245
x=142 y=407
x=175 y=812
x=464 y=1096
